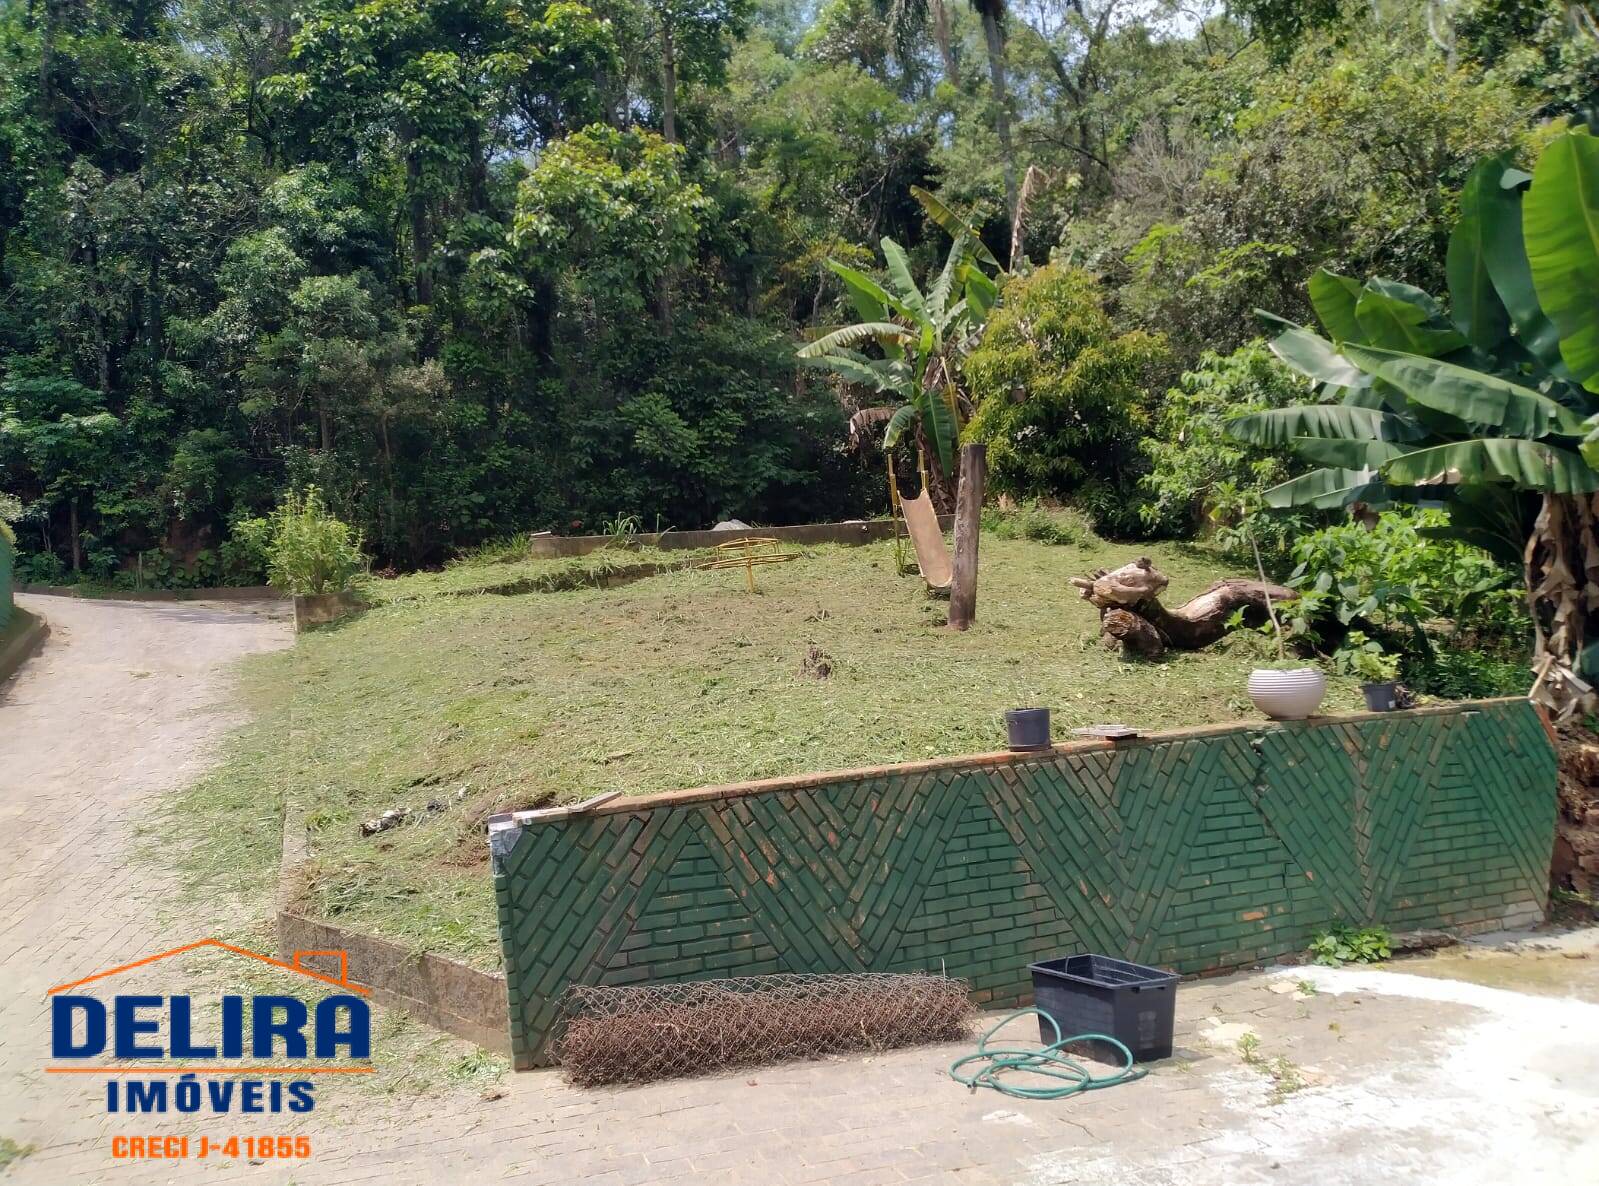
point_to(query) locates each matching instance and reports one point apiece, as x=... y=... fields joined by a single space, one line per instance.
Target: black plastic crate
x=1095 y=994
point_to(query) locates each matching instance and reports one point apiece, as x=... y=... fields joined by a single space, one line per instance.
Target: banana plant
x=920 y=335
x=1489 y=408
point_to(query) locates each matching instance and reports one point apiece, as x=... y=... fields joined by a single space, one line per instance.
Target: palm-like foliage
x=1491 y=408
x=921 y=335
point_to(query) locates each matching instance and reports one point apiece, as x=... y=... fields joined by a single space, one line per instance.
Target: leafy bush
x=312 y=551
x=1455 y=673
x=1061 y=398
x=1034 y=521
x=40 y=568
x=247 y=552
x=1201 y=475
x=1344 y=944
x=1395 y=577
x=10 y=511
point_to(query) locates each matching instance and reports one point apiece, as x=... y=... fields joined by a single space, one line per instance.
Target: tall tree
x=909 y=18
x=453 y=82
x=695 y=38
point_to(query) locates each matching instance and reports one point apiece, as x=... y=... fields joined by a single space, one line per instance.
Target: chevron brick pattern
x=1196 y=852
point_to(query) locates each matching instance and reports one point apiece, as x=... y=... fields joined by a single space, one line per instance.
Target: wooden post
x=968 y=526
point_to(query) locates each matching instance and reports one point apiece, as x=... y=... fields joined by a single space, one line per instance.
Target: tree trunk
x=155 y=328
x=47 y=50
x=1562 y=575
x=663 y=284
x=388 y=475
x=1130 y=612
x=668 y=84
x=663 y=299
x=72 y=528
x=968 y=529
x=421 y=233
x=946 y=51
x=541 y=318
x=995 y=38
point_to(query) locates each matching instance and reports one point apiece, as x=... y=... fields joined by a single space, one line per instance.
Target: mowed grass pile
x=452 y=705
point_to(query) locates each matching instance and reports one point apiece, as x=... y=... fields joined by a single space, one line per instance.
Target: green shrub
x=246 y=554
x=312 y=552
x=1034 y=521
x=1061 y=398
x=40 y=568
x=1395 y=576
x=10 y=511
x=1200 y=475
x=1461 y=674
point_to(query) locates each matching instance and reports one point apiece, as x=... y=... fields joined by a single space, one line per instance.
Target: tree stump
x=1131 y=615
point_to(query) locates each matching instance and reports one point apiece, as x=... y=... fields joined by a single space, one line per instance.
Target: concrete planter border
x=24 y=638
x=319 y=609
x=444 y=993
x=859 y=531
x=220 y=593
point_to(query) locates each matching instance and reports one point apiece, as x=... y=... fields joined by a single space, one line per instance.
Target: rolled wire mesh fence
x=661 y=1031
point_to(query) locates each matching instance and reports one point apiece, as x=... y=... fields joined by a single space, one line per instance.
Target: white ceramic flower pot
x=1287 y=695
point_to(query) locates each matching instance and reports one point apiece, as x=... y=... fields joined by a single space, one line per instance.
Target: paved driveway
x=126 y=700
x=1477 y=1066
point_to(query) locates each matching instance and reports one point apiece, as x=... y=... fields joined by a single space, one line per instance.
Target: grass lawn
x=493 y=701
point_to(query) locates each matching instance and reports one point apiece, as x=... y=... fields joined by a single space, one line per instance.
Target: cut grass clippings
x=449 y=705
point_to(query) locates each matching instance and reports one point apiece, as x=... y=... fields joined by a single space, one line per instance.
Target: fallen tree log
x=1130 y=612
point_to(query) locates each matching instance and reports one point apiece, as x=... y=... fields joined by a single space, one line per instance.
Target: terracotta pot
x=1287 y=695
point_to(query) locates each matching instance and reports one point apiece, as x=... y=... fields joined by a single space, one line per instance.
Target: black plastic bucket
x=1095 y=994
x=1382 y=697
x=1027 y=728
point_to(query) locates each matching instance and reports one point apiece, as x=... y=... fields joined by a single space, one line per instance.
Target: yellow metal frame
x=747 y=552
x=895 y=509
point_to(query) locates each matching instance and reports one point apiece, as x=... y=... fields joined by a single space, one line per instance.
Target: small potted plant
x=1378 y=673
x=1287 y=689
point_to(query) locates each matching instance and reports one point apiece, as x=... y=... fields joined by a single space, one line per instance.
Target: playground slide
x=932 y=557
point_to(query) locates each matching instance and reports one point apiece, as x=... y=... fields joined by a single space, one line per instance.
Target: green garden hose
x=1045 y=1061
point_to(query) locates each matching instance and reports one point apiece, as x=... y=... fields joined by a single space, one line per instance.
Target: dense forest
x=475 y=267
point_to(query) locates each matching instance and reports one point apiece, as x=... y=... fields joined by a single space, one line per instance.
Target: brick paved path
x=126 y=700
x=1482 y=1068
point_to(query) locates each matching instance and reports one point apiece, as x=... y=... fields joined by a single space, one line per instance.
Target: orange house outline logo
x=296 y=964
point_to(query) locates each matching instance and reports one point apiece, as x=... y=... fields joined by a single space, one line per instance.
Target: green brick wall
x=1197 y=851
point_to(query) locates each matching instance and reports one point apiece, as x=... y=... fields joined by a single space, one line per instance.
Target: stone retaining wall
x=861 y=531
x=8 y=557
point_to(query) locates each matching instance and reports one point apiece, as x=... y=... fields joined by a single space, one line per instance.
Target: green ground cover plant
x=477 y=703
x=1345 y=944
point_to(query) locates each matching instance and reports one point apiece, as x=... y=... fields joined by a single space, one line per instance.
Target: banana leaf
x=1280 y=426
x=1333 y=297
x=1527 y=465
x=1473 y=397
x=1474 y=303
x=1560 y=225
x=1505 y=253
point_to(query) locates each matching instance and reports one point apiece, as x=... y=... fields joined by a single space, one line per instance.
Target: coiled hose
x=1048 y=1062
